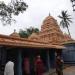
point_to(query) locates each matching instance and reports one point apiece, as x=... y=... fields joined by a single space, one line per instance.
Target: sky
x=36 y=12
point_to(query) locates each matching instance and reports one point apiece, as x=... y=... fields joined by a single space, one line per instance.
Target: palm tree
x=65 y=20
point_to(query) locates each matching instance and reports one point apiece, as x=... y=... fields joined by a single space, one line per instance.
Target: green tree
x=73 y=4
x=65 y=20
x=15 y=7
x=23 y=33
x=26 y=33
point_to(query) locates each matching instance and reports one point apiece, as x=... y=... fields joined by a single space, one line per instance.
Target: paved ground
x=68 y=71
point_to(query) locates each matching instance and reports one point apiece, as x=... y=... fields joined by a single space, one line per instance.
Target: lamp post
x=73 y=4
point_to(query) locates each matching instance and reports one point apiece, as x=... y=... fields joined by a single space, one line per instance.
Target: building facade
x=69 y=53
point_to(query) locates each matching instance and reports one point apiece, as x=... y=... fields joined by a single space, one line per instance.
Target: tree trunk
x=68 y=31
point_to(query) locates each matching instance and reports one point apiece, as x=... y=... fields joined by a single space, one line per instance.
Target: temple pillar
x=48 y=59
x=19 y=61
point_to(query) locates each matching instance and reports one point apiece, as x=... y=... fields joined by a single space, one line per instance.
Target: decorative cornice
x=19 y=42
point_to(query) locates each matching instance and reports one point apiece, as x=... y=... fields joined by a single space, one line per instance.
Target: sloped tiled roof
x=21 y=42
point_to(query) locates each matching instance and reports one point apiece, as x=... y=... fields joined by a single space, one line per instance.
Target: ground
x=68 y=71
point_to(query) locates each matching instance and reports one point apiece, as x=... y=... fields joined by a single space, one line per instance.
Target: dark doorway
x=12 y=56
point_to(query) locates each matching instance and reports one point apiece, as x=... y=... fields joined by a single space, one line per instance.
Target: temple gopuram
x=48 y=43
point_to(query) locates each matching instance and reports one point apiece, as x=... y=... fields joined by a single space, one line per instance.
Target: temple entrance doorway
x=30 y=54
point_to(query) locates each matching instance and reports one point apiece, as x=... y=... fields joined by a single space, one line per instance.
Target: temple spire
x=14 y=30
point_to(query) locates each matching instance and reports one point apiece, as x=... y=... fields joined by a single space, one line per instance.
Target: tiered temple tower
x=50 y=31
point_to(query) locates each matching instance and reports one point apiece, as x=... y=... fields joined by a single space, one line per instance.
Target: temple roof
x=22 y=42
x=33 y=36
x=15 y=34
x=67 y=37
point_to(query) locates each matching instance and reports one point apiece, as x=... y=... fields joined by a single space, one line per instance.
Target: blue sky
x=36 y=13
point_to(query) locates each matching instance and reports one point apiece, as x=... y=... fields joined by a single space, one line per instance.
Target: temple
x=51 y=33
x=48 y=43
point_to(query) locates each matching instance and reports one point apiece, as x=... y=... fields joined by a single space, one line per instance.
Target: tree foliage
x=26 y=33
x=72 y=0
x=13 y=8
x=65 y=20
x=73 y=4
